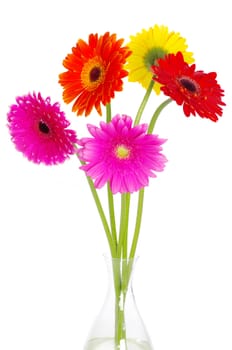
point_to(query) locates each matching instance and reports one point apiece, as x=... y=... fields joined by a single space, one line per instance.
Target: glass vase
x=119 y=325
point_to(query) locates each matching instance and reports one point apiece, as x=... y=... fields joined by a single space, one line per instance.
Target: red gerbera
x=95 y=72
x=197 y=91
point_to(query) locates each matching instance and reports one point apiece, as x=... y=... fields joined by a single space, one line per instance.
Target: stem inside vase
x=122 y=272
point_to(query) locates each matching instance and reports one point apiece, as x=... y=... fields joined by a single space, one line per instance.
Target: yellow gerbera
x=150 y=45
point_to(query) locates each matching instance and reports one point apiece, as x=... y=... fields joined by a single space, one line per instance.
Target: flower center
x=122 y=152
x=43 y=127
x=152 y=55
x=93 y=73
x=189 y=84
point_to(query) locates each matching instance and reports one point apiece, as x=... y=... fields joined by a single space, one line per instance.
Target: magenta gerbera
x=123 y=155
x=39 y=130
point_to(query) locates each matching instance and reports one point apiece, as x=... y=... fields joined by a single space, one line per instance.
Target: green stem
x=109 y=192
x=96 y=198
x=121 y=272
x=123 y=230
x=156 y=115
x=108 y=112
x=141 y=192
x=112 y=215
x=122 y=269
x=102 y=216
x=137 y=224
x=143 y=103
x=120 y=331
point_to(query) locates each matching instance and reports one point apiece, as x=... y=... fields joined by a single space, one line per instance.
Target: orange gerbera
x=94 y=72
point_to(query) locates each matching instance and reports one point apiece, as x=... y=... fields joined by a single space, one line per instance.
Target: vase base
x=109 y=344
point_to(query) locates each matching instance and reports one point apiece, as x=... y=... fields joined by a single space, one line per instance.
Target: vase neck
x=120 y=272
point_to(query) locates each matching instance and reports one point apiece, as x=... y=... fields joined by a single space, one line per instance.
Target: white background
x=52 y=274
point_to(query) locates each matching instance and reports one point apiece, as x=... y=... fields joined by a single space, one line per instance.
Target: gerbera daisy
x=150 y=45
x=122 y=155
x=197 y=91
x=38 y=130
x=94 y=72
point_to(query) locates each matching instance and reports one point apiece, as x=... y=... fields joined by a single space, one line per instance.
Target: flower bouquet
x=122 y=153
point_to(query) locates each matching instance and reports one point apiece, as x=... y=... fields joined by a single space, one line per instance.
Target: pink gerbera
x=122 y=155
x=38 y=130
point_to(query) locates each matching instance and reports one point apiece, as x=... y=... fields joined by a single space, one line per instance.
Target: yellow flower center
x=122 y=152
x=93 y=73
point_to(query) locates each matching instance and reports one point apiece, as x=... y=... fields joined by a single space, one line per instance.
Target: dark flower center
x=188 y=84
x=95 y=74
x=43 y=128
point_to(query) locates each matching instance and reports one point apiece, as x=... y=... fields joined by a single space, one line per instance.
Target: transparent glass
x=119 y=325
